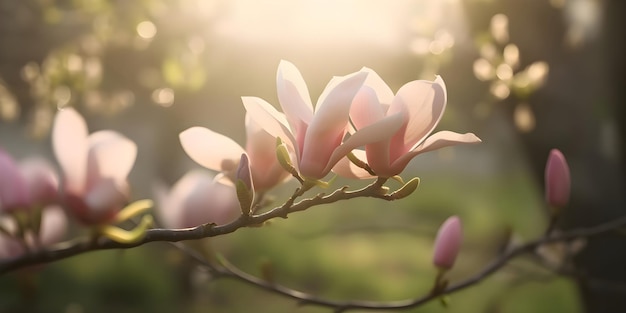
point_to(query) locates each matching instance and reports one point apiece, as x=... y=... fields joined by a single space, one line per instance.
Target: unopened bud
x=282 y=153
x=448 y=243
x=244 y=185
x=557 y=180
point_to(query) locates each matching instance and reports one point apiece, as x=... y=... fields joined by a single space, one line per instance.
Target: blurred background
x=525 y=76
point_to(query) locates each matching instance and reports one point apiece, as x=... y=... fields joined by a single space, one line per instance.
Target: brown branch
x=85 y=245
x=230 y=271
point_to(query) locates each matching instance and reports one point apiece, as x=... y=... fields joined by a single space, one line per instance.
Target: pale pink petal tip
x=448 y=243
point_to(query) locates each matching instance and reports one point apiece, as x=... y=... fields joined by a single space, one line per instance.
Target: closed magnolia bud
x=448 y=243
x=244 y=185
x=557 y=180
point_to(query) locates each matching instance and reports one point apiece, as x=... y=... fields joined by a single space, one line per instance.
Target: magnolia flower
x=24 y=185
x=14 y=192
x=417 y=107
x=315 y=136
x=448 y=243
x=51 y=231
x=95 y=168
x=41 y=180
x=220 y=153
x=197 y=198
x=557 y=179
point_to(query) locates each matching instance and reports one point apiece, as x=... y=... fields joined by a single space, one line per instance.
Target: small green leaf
x=406 y=190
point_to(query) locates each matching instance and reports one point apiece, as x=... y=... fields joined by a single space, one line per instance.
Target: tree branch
x=230 y=271
x=84 y=245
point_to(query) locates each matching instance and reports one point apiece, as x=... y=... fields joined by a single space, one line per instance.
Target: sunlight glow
x=310 y=23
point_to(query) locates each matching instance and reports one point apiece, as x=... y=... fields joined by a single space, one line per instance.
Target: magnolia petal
x=261 y=148
x=269 y=119
x=41 y=179
x=383 y=92
x=436 y=141
x=329 y=126
x=69 y=142
x=380 y=131
x=293 y=94
x=424 y=102
x=111 y=155
x=366 y=108
x=345 y=167
x=53 y=225
x=103 y=201
x=210 y=149
x=14 y=190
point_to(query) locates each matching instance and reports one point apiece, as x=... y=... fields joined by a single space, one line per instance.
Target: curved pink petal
x=210 y=149
x=345 y=168
x=103 y=201
x=269 y=119
x=53 y=225
x=383 y=92
x=377 y=132
x=261 y=148
x=424 y=102
x=436 y=141
x=14 y=191
x=366 y=109
x=69 y=142
x=326 y=131
x=293 y=94
x=111 y=155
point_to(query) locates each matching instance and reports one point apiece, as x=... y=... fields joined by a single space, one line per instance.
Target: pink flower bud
x=557 y=180
x=448 y=243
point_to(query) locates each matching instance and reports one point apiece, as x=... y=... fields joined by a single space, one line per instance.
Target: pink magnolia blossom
x=316 y=136
x=52 y=230
x=41 y=179
x=417 y=107
x=14 y=193
x=557 y=179
x=448 y=243
x=220 y=153
x=197 y=198
x=95 y=168
x=27 y=184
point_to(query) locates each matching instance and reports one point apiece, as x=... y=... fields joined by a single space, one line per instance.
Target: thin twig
x=228 y=270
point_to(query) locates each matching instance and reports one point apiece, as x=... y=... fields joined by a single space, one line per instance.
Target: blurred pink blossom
x=14 y=193
x=95 y=168
x=197 y=198
x=448 y=243
x=405 y=120
x=27 y=184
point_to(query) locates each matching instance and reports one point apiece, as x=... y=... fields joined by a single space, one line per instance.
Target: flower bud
x=448 y=243
x=244 y=185
x=557 y=180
